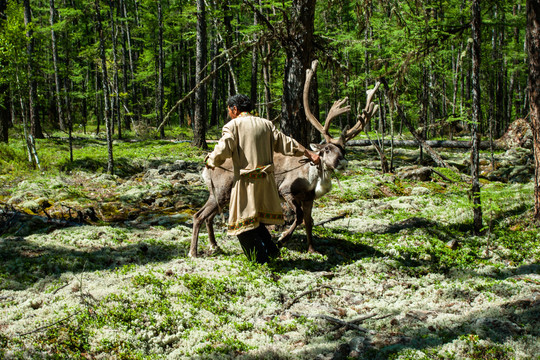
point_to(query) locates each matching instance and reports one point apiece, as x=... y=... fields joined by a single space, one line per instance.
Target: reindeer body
x=299 y=184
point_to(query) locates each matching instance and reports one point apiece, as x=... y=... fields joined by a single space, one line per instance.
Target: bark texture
x=298 y=50
x=533 y=47
x=199 y=129
x=476 y=118
x=4 y=89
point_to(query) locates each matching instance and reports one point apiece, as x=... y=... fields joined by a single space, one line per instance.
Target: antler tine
x=365 y=115
x=336 y=110
x=371 y=93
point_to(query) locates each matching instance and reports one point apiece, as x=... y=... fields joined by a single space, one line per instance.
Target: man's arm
x=222 y=150
x=286 y=145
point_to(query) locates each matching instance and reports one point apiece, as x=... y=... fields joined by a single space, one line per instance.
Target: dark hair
x=241 y=101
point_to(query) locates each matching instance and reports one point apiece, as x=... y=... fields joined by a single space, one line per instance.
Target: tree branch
x=335 y=321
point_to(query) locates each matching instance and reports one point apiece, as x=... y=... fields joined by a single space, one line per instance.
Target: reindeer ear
x=316 y=147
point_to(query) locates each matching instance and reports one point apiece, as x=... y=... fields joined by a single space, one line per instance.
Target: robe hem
x=253 y=222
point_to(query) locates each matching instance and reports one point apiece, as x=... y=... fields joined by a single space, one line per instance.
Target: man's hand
x=313 y=157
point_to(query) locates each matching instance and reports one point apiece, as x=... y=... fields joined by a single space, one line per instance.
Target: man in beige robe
x=251 y=142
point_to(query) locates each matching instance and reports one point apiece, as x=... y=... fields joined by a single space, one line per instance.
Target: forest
x=427 y=246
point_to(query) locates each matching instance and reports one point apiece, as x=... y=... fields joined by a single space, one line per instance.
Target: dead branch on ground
x=335 y=321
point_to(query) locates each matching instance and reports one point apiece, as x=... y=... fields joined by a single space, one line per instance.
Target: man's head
x=237 y=104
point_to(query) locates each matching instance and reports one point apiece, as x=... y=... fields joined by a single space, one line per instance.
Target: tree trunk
x=105 y=82
x=135 y=108
x=214 y=112
x=4 y=116
x=446 y=144
x=476 y=118
x=97 y=108
x=160 y=89
x=199 y=129
x=254 y=67
x=69 y=119
x=267 y=80
x=227 y=19
x=298 y=49
x=115 y=100
x=35 y=124
x=55 y=66
x=533 y=47
x=4 y=89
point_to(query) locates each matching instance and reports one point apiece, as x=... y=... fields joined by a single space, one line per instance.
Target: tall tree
x=160 y=86
x=199 y=129
x=298 y=46
x=105 y=84
x=254 y=66
x=476 y=117
x=4 y=88
x=533 y=49
x=52 y=20
x=115 y=99
x=35 y=124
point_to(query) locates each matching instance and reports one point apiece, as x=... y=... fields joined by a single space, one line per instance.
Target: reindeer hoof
x=215 y=250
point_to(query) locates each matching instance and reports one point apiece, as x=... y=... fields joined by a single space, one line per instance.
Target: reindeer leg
x=285 y=236
x=206 y=213
x=308 y=222
x=211 y=236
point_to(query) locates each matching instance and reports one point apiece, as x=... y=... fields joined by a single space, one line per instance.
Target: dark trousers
x=258 y=245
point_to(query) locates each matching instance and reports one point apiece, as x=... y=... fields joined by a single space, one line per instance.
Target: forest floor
x=95 y=266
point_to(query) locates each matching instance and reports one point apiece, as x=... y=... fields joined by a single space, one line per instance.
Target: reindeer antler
x=365 y=115
x=336 y=110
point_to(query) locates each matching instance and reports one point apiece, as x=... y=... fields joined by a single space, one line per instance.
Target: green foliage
x=483 y=351
x=222 y=344
x=12 y=160
x=69 y=341
x=211 y=294
x=90 y=155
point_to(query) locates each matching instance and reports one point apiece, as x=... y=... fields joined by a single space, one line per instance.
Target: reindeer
x=299 y=182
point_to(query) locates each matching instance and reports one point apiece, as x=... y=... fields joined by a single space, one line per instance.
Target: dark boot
x=271 y=248
x=253 y=246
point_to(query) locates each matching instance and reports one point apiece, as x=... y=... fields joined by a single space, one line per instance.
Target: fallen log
x=450 y=144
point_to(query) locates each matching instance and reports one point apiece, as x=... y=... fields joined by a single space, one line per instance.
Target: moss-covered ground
x=95 y=266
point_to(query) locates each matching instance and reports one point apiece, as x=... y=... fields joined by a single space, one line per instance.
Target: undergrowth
x=409 y=264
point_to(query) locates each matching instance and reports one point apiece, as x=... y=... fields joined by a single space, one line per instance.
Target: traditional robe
x=251 y=141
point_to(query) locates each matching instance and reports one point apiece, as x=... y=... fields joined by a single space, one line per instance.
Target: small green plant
x=220 y=343
x=275 y=326
x=479 y=350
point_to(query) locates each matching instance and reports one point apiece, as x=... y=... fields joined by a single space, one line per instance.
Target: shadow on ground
x=22 y=263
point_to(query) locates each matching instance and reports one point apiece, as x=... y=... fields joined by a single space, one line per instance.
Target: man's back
x=254 y=139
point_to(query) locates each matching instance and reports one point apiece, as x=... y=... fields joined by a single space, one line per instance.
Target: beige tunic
x=251 y=141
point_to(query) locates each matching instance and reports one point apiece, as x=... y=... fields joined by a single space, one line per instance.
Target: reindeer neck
x=320 y=177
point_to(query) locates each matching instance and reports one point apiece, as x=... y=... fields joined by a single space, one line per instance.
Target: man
x=251 y=142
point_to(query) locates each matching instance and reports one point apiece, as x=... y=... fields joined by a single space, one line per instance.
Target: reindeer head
x=333 y=152
x=332 y=155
